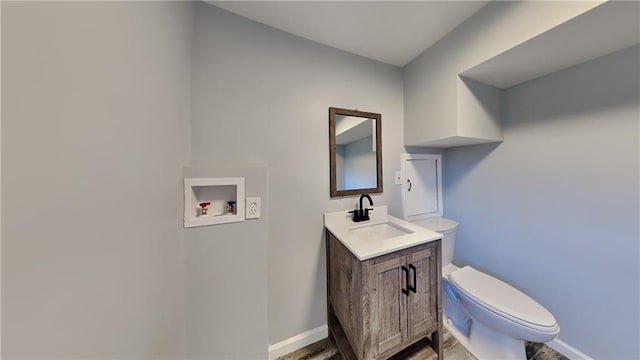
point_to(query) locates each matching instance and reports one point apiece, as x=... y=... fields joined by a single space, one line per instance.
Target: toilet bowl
x=489 y=317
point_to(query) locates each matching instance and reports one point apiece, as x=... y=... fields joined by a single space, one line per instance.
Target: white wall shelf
x=607 y=28
x=433 y=120
x=217 y=191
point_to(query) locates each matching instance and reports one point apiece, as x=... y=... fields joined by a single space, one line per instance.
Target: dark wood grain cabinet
x=380 y=306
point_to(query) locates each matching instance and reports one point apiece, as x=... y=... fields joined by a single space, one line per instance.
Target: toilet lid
x=501 y=297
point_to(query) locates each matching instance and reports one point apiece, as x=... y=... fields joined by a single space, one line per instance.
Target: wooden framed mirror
x=355 y=149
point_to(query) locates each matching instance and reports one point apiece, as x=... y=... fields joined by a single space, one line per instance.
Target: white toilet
x=489 y=317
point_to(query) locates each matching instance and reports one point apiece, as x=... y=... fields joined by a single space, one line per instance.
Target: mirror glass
x=356 y=157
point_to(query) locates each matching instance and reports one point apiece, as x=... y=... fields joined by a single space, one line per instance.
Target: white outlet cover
x=252 y=208
x=398 y=178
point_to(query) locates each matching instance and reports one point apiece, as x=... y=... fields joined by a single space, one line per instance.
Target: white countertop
x=341 y=225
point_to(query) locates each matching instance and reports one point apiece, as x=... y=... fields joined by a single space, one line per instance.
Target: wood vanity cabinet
x=380 y=306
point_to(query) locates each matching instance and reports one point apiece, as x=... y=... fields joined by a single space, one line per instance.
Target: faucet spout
x=362 y=214
x=362 y=197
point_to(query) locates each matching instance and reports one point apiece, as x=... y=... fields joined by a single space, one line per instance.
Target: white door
x=422 y=186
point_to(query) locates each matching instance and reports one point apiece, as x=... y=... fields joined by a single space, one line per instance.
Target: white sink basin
x=380 y=235
x=373 y=232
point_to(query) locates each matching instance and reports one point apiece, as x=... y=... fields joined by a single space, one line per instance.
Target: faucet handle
x=365 y=215
x=356 y=215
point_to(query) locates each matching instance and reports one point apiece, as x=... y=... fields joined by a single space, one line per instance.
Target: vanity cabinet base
x=381 y=306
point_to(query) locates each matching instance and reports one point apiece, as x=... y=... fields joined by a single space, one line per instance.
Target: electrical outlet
x=252 y=208
x=398 y=178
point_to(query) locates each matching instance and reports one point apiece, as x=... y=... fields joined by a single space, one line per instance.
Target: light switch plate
x=252 y=208
x=398 y=178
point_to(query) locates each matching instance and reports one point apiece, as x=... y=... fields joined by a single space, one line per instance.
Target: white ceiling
x=394 y=32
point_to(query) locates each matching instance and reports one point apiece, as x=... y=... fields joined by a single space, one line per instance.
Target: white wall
x=554 y=209
x=95 y=128
x=261 y=96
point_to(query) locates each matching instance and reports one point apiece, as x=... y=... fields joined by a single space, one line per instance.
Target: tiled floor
x=326 y=350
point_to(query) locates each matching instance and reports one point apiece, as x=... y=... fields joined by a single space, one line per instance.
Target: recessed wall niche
x=212 y=201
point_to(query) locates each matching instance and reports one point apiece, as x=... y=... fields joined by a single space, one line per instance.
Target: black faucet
x=362 y=214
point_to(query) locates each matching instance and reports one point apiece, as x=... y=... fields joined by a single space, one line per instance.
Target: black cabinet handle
x=409 y=181
x=415 y=284
x=406 y=280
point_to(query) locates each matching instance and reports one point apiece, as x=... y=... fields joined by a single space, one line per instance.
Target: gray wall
x=261 y=96
x=554 y=208
x=340 y=161
x=103 y=102
x=360 y=165
x=96 y=109
x=226 y=277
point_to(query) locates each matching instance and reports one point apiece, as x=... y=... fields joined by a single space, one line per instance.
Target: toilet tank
x=445 y=227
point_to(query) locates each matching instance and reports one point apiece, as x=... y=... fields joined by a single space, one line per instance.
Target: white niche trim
x=217 y=191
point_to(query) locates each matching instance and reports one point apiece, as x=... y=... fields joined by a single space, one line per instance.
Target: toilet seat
x=448 y=269
x=502 y=299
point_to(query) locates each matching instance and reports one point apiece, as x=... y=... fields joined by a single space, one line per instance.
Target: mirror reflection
x=355 y=153
x=356 y=159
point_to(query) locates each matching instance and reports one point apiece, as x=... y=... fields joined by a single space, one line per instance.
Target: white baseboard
x=297 y=342
x=568 y=350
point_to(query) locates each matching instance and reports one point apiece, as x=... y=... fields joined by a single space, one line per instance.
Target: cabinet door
x=422 y=305
x=388 y=304
x=422 y=187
